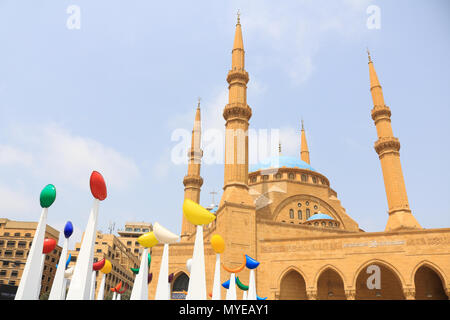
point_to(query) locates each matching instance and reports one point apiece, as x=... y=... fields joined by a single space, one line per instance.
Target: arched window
x=314 y=179
x=291 y=213
x=308 y=213
x=299 y=212
x=316 y=223
x=254 y=179
x=266 y=177
x=304 y=178
x=330 y=224
x=324 y=223
x=291 y=176
x=278 y=176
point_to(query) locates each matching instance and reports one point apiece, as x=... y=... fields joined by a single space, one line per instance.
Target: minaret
x=237 y=114
x=236 y=215
x=193 y=181
x=387 y=148
x=304 y=152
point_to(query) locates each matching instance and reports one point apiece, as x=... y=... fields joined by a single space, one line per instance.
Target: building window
x=308 y=213
x=316 y=224
x=6 y=263
x=11 y=244
x=330 y=224
x=291 y=176
x=278 y=176
x=299 y=212
x=324 y=223
x=6 y=234
x=137 y=229
x=17 y=234
x=22 y=244
x=291 y=213
x=136 y=243
x=12 y=283
x=128 y=229
x=265 y=177
x=314 y=179
x=19 y=253
x=99 y=250
x=307 y=203
x=14 y=273
x=315 y=206
x=136 y=250
x=27 y=234
x=2 y=272
x=77 y=249
x=304 y=178
x=2 y=243
x=8 y=253
x=128 y=243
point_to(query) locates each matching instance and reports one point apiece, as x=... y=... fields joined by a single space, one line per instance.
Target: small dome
x=279 y=162
x=214 y=209
x=320 y=216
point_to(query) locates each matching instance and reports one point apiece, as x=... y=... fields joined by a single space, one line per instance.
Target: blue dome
x=279 y=162
x=319 y=216
x=214 y=210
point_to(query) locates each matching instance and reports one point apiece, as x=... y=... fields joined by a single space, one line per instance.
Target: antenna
x=213 y=201
x=111 y=227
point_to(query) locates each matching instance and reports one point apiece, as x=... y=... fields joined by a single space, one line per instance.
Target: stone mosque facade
x=285 y=214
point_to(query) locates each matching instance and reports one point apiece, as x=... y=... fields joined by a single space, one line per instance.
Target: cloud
x=15 y=202
x=12 y=156
x=55 y=153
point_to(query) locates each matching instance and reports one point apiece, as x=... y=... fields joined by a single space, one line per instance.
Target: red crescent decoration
x=98 y=186
x=98 y=265
x=49 y=245
x=118 y=286
x=113 y=289
x=236 y=270
x=124 y=289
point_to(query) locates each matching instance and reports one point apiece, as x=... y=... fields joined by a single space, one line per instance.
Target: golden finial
x=238 y=17
x=368 y=53
x=303 y=127
x=198 y=105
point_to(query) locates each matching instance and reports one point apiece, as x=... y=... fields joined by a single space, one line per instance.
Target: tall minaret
x=304 y=152
x=387 y=147
x=193 y=181
x=237 y=114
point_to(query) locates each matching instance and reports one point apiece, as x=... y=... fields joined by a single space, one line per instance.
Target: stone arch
x=292 y=284
x=429 y=282
x=179 y=285
x=300 y=197
x=391 y=282
x=330 y=284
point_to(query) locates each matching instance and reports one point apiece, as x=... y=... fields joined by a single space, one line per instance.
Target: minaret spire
x=304 y=151
x=387 y=148
x=193 y=181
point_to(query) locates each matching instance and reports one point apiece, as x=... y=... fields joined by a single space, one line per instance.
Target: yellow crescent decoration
x=236 y=270
x=148 y=240
x=217 y=243
x=107 y=267
x=196 y=214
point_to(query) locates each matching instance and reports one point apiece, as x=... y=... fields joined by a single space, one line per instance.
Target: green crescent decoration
x=241 y=285
x=48 y=195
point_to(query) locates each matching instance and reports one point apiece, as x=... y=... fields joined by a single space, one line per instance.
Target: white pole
x=252 y=286
x=29 y=283
x=58 y=290
x=216 y=294
x=231 y=292
x=114 y=296
x=140 y=286
x=197 y=281
x=81 y=280
x=38 y=291
x=94 y=276
x=118 y=296
x=161 y=288
x=101 y=290
x=244 y=295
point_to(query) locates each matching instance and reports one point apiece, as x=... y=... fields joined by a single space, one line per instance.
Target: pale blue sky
x=109 y=96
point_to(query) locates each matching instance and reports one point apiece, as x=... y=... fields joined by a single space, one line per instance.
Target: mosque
x=285 y=214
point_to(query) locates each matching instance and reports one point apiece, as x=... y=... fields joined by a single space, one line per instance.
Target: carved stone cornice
x=195 y=181
x=311 y=294
x=195 y=154
x=410 y=293
x=350 y=294
x=237 y=110
x=387 y=144
x=237 y=75
x=380 y=111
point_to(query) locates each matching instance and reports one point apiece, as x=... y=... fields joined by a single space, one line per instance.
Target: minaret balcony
x=381 y=111
x=237 y=110
x=237 y=76
x=195 y=181
x=387 y=144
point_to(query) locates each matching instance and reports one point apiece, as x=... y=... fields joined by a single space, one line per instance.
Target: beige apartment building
x=110 y=247
x=131 y=232
x=15 y=242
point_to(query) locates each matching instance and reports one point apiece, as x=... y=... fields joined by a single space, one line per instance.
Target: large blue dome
x=279 y=162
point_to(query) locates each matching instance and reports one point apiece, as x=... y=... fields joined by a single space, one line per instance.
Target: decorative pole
x=251 y=264
x=218 y=245
x=231 y=292
x=95 y=267
x=198 y=216
x=140 y=286
x=105 y=270
x=58 y=287
x=49 y=246
x=81 y=280
x=164 y=236
x=29 y=283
